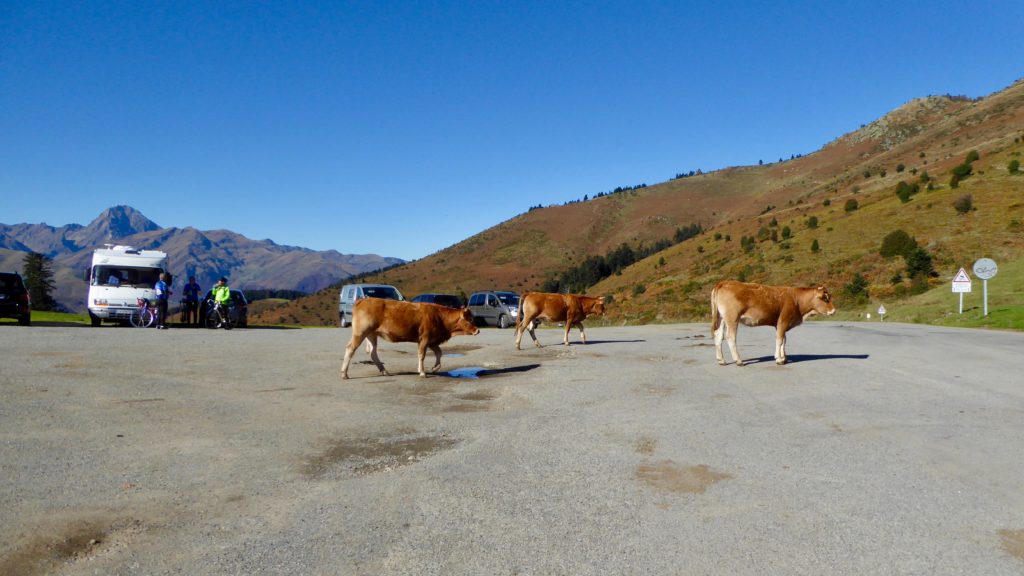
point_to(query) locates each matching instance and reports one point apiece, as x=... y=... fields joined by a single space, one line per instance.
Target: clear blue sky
x=400 y=128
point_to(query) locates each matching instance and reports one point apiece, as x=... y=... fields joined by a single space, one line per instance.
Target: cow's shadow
x=588 y=343
x=797 y=358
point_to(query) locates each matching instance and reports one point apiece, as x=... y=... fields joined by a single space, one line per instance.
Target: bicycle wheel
x=148 y=317
x=137 y=318
x=212 y=318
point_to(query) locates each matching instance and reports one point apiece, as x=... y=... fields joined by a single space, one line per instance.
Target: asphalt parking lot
x=880 y=449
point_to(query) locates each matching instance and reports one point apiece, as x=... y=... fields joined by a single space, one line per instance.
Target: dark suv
x=14 y=300
x=449 y=300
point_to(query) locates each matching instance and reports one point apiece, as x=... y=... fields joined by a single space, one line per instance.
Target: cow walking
x=430 y=325
x=783 y=307
x=572 y=309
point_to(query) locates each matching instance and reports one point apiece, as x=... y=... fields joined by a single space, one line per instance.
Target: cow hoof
x=423 y=374
x=721 y=362
x=344 y=376
x=781 y=362
x=739 y=362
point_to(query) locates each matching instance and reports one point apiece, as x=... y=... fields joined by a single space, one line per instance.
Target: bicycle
x=217 y=316
x=145 y=315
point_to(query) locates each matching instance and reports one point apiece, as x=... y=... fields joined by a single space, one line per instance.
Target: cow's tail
x=716 y=320
x=519 y=313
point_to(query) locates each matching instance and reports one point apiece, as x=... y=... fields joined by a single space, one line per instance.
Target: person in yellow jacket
x=221 y=294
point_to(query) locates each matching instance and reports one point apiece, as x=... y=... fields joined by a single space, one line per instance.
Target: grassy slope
x=932 y=134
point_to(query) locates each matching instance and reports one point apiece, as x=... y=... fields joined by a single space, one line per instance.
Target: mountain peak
x=113 y=224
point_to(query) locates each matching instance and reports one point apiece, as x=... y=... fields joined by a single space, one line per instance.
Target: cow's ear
x=600 y=299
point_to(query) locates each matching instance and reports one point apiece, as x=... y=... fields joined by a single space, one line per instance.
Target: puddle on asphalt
x=452 y=354
x=371 y=455
x=78 y=541
x=467 y=372
x=666 y=475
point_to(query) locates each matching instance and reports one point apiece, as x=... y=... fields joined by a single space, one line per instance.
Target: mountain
x=931 y=135
x=250 y=264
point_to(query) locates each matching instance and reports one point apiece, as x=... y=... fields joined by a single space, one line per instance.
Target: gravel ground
x=880 y=449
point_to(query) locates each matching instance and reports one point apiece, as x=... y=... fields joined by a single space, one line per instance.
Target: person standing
x=190 y=308
x=163 y=292
x=222 y=297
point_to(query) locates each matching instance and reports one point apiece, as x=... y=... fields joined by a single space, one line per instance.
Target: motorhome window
x=127 y=276
x=351 y=293
x=380 y=292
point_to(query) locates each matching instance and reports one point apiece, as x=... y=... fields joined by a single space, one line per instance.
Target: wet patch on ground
x=646 y=445
x=459 y=349
x=372 y=455
x=670 y=477
x=1013 y=542
x=474 y=372
x=143 y=400
x=274 y=390
x=80 y=540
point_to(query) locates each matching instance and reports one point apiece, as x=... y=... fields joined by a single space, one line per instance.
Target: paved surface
x=880 y=449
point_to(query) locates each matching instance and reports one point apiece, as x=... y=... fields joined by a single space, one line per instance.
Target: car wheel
x=25 y=320
x=345 y=323
x=502 y=321
x=94 y=321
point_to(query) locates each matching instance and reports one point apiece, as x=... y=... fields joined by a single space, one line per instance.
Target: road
x=880 y=449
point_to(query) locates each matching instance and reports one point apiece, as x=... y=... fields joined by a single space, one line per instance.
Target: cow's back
x=752 y=304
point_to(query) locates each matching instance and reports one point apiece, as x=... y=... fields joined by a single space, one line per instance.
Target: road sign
x=881 y=312
x=985 y=268
x=961 y=282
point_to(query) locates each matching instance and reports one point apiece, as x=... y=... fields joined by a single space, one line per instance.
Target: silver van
x=352 y=292
x=495 y=308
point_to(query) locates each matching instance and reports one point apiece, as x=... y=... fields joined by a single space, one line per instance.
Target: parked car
x=14 y=299
x=352 y=292
x=449 y=300
x=238 y=309
x=495 y=307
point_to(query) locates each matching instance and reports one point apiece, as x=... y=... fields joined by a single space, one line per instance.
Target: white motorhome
x=118 y=277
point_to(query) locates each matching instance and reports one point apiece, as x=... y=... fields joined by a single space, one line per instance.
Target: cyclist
x=222 y=297
x=163 y=292
x=190 y=308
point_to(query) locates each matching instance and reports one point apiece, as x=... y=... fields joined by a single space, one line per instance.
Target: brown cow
x=757 y=305
x=572 y=309
x=428 y=324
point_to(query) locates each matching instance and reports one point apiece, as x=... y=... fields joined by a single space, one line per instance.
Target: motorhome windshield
x=124 y=276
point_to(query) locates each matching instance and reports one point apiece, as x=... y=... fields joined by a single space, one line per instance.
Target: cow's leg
x=731 y=326
x=520 y=327
x=524 y=326
x=568 y=327
x=437 y=357
x=350 y=349
x=719 y=334
x=372 y=341
x=780 y=346
x=533 y=334
x=583 y=335
x=421 y=356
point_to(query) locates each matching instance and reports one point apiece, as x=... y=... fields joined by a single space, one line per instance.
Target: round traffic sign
x=985 y=268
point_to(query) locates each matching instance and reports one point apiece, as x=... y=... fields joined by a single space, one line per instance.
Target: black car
x=449 y=300
x=238 y=309
x=14 y=299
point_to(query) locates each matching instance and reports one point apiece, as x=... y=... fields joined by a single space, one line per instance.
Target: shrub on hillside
x=964 y=204
x=786 y=232
x=971 y=156
x=857 y=289
x=812 y=222
x=905 y=191
x=1013 y=166
x=851 y=205
x=900 y=168
x=919 y=263
x=815 y=246
x=897 y=243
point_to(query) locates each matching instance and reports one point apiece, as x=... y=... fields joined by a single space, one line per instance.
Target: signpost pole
x=984 y=295
x=961 y=302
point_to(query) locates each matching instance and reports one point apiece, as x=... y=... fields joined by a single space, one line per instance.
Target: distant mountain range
x=250 y=264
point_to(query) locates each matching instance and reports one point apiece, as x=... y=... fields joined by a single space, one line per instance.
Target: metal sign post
x=985 y=269
x=961 y=284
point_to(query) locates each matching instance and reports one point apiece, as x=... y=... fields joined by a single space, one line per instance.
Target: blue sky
x=400 y=128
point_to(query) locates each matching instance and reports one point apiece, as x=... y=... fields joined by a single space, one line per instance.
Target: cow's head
x=821 y=302
x=465 y=324
x=596 y=307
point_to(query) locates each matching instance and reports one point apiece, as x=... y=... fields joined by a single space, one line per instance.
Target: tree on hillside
x=38 y=270
x=1013 y=166
x=897 y=243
